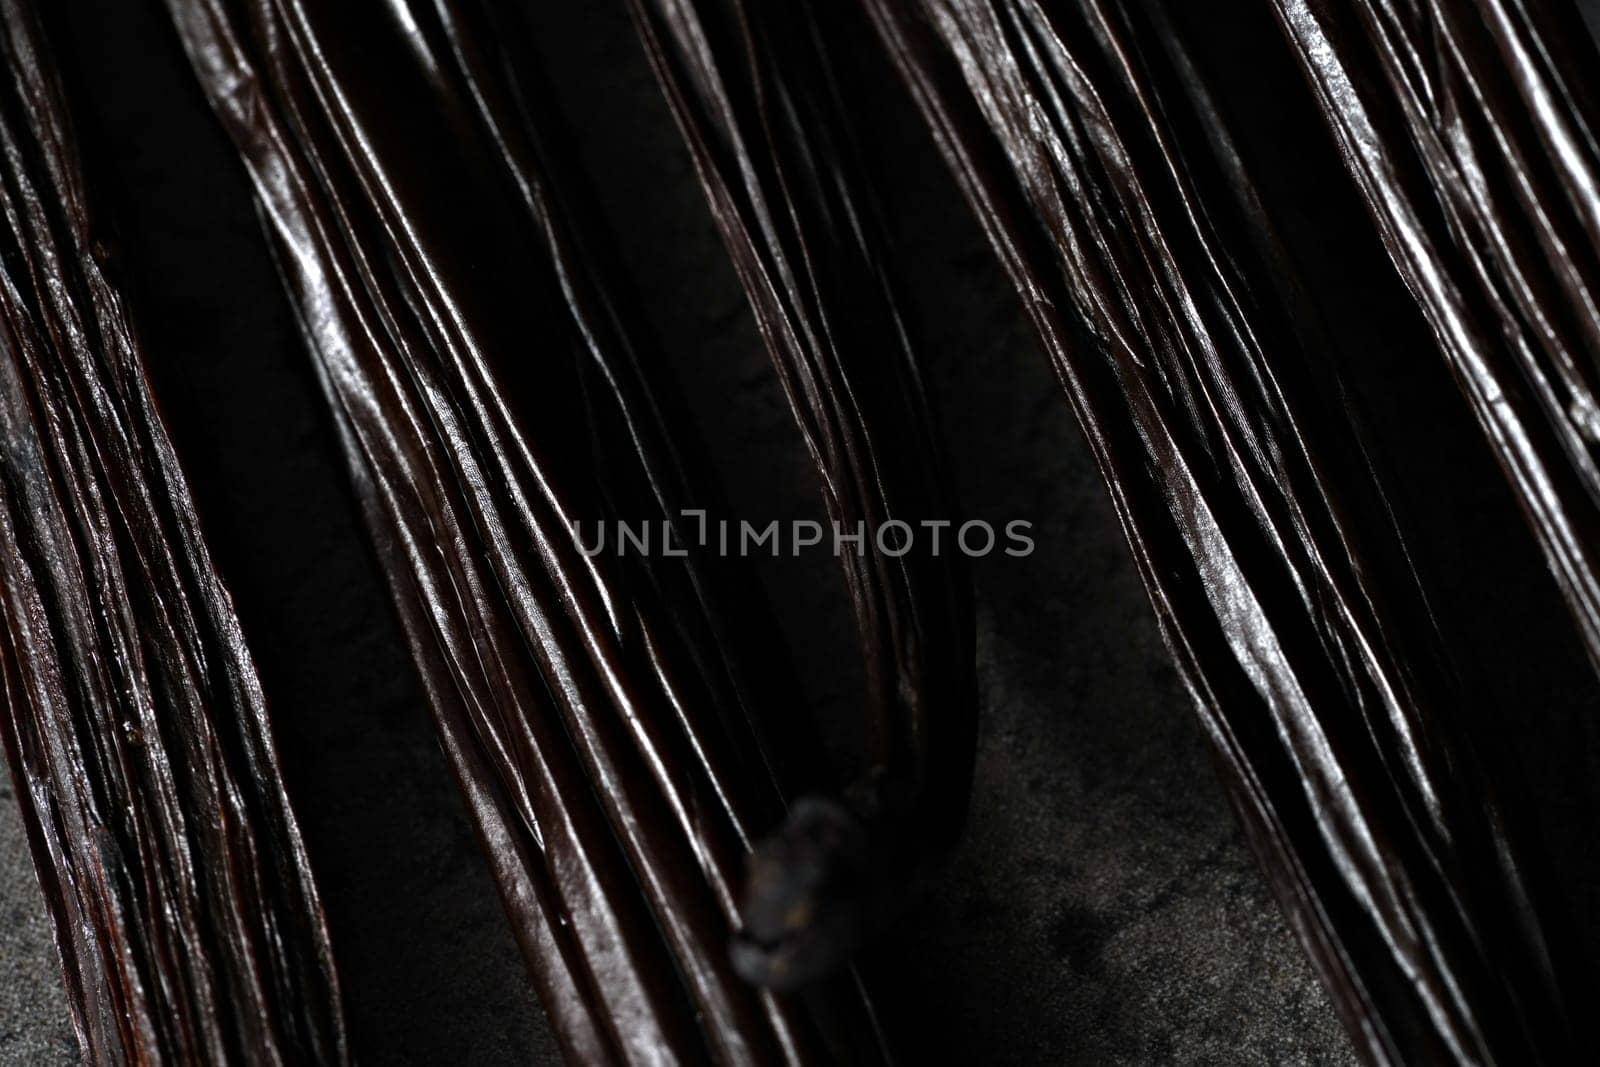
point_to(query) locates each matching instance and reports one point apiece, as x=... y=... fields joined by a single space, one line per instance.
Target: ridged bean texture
x=494 y=403
x=184 y=909
x=1281 y=582
x=766 y=118
x=1469 y=127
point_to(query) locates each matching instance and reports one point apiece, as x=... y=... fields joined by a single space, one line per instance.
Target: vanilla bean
x=1469 y=127
x=492 y=403
x=184 y=909
x=1282 y=585
x=765 y=118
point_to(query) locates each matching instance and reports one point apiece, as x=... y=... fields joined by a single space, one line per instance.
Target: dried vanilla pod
x=763 y=113
x=173 y=871
x=1281 y=584
x=1469 y=126
x=493 y=402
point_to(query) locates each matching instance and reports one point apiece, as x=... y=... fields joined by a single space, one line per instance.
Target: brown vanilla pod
x=1282 y=586
x=762 y=111
x=1469 y=128
x=173 y=871
x=494 y=403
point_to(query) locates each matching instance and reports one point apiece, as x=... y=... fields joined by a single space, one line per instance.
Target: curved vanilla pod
x=495 y=413
x=760 y=107
x=184 y=909
x=1279 y=579
x=1469 y=126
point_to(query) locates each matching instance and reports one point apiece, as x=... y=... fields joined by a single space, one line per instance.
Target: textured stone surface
x=33 y=1010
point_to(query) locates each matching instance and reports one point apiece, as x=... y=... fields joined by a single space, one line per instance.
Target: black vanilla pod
x=184 y=910
x=493 y=401
x=1281 y=583
x=763 y=112
x=1470 y=129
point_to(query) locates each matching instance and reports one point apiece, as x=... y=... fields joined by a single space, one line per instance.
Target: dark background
x=1103 y=908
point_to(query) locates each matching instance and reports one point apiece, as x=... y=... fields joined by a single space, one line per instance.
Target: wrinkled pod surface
x=173 y=871
x=603 y=713
x=1281 y=581
x=764 y=113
